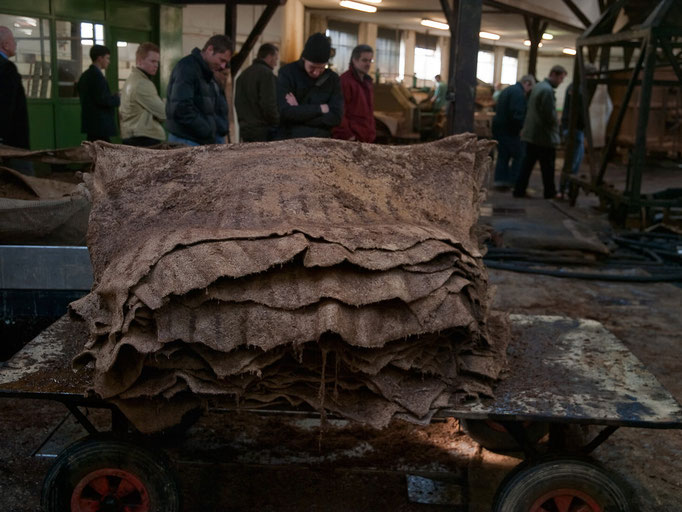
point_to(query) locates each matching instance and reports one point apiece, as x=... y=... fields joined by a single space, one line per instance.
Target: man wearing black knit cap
x=309 y=94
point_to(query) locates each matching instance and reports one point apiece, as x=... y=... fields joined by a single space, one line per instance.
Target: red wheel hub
x=566 y=500
x=110 y=490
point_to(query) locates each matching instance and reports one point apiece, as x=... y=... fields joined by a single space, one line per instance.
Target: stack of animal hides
x=338 y=275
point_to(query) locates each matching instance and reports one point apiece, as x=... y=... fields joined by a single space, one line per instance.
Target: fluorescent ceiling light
x=547 y=37
x=527 y=43
x=121 y=44
x=569 y=51
x=435 y=24
x=357 y=6
x=488 y=35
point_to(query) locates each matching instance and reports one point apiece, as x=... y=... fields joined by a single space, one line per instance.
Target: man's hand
x=324 y=108
x=291 y=99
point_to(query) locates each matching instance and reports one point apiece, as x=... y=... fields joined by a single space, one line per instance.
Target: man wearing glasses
x=358 y=97
x=309 y=94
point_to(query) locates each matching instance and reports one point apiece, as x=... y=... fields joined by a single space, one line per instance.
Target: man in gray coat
x=541 y=133
x=256 y=97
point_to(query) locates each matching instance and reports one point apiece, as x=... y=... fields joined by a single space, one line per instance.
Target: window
x=344 y=36
x=485 y=70
x=126 y=60
x=387 y=54
x=33 y=53
x=426 y=57
x=74 y=40
x=510 y=66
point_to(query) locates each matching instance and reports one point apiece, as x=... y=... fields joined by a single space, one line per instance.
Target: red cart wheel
x=562 y=484
x=100 y=474
x=566 y=500
x=110 y=489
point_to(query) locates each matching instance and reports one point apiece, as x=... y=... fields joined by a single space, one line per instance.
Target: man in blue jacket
x=196 y=109
x=507 y=123
x=309 y=93
x=98 y=115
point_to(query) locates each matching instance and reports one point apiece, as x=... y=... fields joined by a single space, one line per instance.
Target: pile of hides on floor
x=40 y=211
x=340 y=275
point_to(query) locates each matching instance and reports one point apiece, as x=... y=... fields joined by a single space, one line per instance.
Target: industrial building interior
x=585 y=412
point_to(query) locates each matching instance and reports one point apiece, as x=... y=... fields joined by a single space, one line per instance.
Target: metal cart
x=562 y=372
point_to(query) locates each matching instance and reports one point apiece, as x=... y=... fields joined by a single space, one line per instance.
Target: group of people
x=306 y=99
x=526 y=128
x=195 y=111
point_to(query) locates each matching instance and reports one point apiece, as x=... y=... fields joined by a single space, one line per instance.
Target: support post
x=231 y=21
x=634 y=184
x=535 y=27
x=464 y=53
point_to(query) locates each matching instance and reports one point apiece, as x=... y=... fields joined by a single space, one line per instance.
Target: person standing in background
x=541 y=132
x=98 y=120
x=358 y=98
x=142 y=111
x=309 y=94
x=507 y=123
x=13 y=109
x=196 y=108
x=256 y=97
x=438 y=100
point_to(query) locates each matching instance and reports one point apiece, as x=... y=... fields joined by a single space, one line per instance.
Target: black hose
x=583 y=275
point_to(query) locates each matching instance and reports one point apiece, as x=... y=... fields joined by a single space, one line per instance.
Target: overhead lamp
x=435 y=24
x=569 y=51
x=488 y=35
x=527 y=43
x=547 y=37
x=357 y=6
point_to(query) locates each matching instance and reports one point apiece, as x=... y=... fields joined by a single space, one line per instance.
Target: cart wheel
x=561 y=485
x=104 y=474
x=494 y=437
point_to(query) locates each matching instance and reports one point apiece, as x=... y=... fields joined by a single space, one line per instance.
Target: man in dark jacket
x=196 y=111
x=507 y=123
x=358 y=98
x=541 y=132
x=13 y=111
x=98 y=119
x=309 y=94
x=256 y=97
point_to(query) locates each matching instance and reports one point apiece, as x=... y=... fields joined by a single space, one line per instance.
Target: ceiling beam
x=552 y=21
x=578 y=13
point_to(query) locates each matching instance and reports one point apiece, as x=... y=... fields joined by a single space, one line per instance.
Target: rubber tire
x=530 y=481
x=497 y=441
x=99 y=452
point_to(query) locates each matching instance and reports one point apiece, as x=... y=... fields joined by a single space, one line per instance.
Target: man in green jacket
x=541 y=133
x=256 y=97
x=142 y=111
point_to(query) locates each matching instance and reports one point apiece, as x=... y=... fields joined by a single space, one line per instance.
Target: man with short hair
x=507 y=123
x=98 y=119
x=194 y=109
x=13 y=110
x=142 y=111
x=541 y=133
x=308 y=93
x=358 y=98
x=256 y=97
